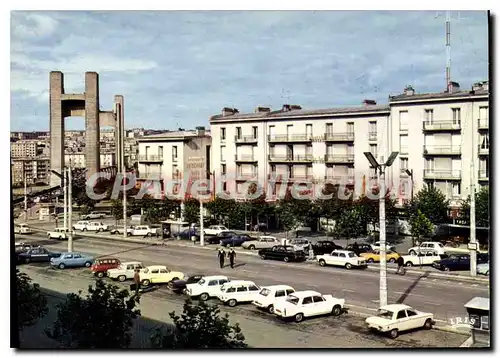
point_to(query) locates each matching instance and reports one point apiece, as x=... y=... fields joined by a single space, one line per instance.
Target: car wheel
x=370 y=261
x=228 y=245
x=170 y=285
x=148 y=234
x=428 y=324
x=84 y=229
x=446 y=268
x=409 y=264
x=393 y=333
x=174 y=279
x=286 y=259
x=322 y=262
x=60 y=237
x=204 y=296
x=100 y=274
x=146 y=282
x=100 y=230
x=232 y=303
x=413 y=253
x=392 y=260
x=299 y=317
x=88 y=264
x=61 y=266
x=263 y=257
x=348 y=266
x=27 y=260
x=270 y=309
x=122 y=278
x=251 y=247
x=336 y=310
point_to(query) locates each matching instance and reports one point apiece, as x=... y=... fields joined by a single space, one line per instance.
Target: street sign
x=472 y=246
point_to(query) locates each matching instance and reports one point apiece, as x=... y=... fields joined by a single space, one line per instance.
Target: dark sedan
x=220 y=236
x=38 y=254
x=178 y=286
x=362 y=248
x=325 y=247
x=187 y=234
x=458 y=262
x=236 y=240
x=282 y=253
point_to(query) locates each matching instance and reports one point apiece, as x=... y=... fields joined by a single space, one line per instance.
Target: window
x=223 y=169
x=242 y=289
x=280 y=293
x=483 y=113
x=309 y=129
x=222 y=153
x=456 y=189
x=253 y=288
x=68 y=256
x=484 y=141
x=147 y=150
x=213 y=283
x=335 y=254
x=77 y=256
x=401 y=314
x=230 y=290
x=350 y=127
x=456 y=115
x=238 y=132
x=403 y=120
x=292 y=299
x=289 y=129
x=160 y=151
x=373 y=150
x=174 y=152
x=307 y=300
x=429 y=116
x=341 y=255
x=411 y=313
x=289 y=292
x=163 y=271
x=271 y=130
x=329 y=128
x=318 y=299
x=403 y=144
x=223 y=134
x=155 y=271
x=255 y=132
x=403 y=163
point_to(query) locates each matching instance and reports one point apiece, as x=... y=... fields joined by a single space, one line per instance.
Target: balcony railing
x=442 y=150
x=150 y=158
x=441 y=126
x=245 y=158
x=290 y=158
x=483 y=123
x=289 y=178
x=339 y=137
x=340 y=179
x=150 y=176
x=339 y=158
x=245 y=139
x=483 y=150
x=437 y=174
x=483 y=174
x=289 y=138
x=372 y=136
x=246 y=176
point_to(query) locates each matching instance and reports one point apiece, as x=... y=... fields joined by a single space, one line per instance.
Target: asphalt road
x=260 y=329
x=360 y=288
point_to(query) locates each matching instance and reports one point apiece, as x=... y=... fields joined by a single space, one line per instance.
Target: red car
x=101 y=266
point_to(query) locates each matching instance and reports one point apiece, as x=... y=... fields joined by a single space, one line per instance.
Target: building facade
x=35 y=170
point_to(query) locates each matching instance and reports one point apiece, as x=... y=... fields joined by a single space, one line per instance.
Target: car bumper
x=258 y=304
x=281 y=313
x=378 y=328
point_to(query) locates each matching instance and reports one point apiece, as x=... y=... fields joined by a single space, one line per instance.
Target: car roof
x=279 y=287
x=107 y=258
x=267 y=237
x=240 y=282
x=131 y=262
x=343 y=251
x=215 y=277
x=156 y=266
x=307 y=293
x=396 y=307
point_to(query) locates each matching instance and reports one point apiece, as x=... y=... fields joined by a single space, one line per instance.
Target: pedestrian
x=222 y=256
x=232 y=255
x=401 y=263
x=137 y=281
x=355 y=248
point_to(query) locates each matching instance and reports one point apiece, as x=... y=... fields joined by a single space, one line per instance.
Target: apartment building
x=77 y=159
x=36 y=170
x=29 y=148
x=176 y=155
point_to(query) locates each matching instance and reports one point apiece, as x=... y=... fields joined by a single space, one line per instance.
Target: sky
x=178 y=68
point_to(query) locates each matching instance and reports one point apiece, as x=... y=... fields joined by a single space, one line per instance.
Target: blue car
x=235 y=240
x=71 y=259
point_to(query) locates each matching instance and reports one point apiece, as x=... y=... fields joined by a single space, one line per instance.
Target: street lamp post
x=410 y=174
x=70 y=209
x=382 y=193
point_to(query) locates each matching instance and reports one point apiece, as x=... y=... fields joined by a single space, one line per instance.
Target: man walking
x=137 y=281
x=232 y=255
x=401 y=263
x=222 y=256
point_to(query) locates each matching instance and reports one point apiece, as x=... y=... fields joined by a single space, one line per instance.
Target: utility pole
x=70 y=209
x=25 y=198
x=65 y=194
x=202 y=234
x=383 y=257
x=124 y=202
x=473 y=242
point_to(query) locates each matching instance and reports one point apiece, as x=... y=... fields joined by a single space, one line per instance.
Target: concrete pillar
x=56 y=84
x=119 y=132
x=92 y=144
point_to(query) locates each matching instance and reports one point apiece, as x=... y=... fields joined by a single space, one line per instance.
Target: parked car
x=458 y=262
x=388 y=247
x=345 y=258
x=236 y=240
x=270 y=295
x=119 y=230
x=325 y=247
x=125 y=271
x=396 y=318
x=374 y=256
x=179 y=286
x=220 y=236
x=361 y=248
x=483 y=269
x=37 y=254
x=159 y=274
x=187 y=234
x=81 y=225
x=426 y=247
x=284 y=253
x=101 y=266
x=142 y=230
x=215 y=229
x=22 y=247
x=71 y=259
x=308 y=304
x=23 y=229
x=299 y=244
x=93 y=215
x=97 y=226
x=58 y=233
x=264 y=242
x=421 y=259
x=234 y=292
x=208 y=286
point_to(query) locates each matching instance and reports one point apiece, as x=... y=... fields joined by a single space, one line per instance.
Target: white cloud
x=33 y=25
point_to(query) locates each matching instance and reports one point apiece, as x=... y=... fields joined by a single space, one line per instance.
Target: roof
x=343 y=251
x=156 y=266
x=277 y=287
x=481 y=303
x=216 y=277
x=305 y=293
x=131 y=262
x=174 y=135
x=442 y=95
x=395 y=307
x=240 y=282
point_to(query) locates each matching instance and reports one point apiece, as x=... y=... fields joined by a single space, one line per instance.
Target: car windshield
x=351 y=254
x=201 y=282
x=440 y=244
x=146 y=271
x=265 y=292
x=385 y=314
x=292 y=299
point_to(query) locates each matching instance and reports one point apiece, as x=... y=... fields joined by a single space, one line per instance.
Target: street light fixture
x=382 y=236
x=410 y=174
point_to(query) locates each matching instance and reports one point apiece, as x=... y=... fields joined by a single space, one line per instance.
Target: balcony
x=339 y=158
x=280 y=178
x=483 y=124
x=150 y=158
x=441 y=126
x=482 y=174
x=286 y=138
x=339 y=137
x=340 y=179
x=246 y=176
x=440 y=174
x=372 y=136
x=245 y=140
x=245 y=158
x=150 y=176
x=442 y=150
x=483 y=150
x=283 y=158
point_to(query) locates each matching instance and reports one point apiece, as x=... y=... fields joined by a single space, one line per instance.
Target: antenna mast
x=448 y=51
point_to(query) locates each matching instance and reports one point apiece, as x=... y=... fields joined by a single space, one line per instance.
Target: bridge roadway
x=360 y=288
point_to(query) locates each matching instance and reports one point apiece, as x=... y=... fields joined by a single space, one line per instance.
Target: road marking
x=363 y=307
x=409 y=294
x=475 y=284
x=375 y=301
x=348 y=290
x=440 y=320
x=433 y=303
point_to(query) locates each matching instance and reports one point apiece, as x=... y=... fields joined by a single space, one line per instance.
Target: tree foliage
x=432 y=203
x=191 y=212
x=482 y=208
x=102 y=319
x=199 y=326
x=31 y=302
x=420 y=225
x=350 y=224
x=117 y=209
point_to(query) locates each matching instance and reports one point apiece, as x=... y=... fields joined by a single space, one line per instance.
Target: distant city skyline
x=178 y=69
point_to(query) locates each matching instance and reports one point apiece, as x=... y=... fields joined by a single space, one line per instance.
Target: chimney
x=454 y=87
x=409 y=91
x=262 y=109
x=485 y=85
x=226 y=111
x=290 y=107
x=295 y=107
x=369 y=102
x=477 y=86
x=200 y=131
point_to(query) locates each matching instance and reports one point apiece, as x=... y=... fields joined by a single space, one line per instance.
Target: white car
x=270 y=295
x=421 y=259
x=426 y=247
x=59 y=233
x=22 y=229
x=97 y=226
x=388 y=247
x=93 y=215
x=158 y=274
x=396 y=318
x=345 y=258
x=81 y=225
x=234 y=292
x=299 y=244
x=215 y=230
x=208 y=286
x=264 y=242
x=142 y=230
x=308 y=304
x=125 y=271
